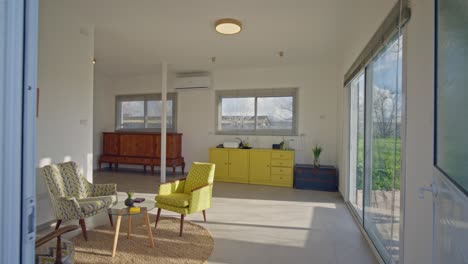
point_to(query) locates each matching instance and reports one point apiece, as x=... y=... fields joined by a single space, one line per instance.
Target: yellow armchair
x=190 y=195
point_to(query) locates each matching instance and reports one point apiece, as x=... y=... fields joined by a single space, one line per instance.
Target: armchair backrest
x=200 y=174
x=65 y=179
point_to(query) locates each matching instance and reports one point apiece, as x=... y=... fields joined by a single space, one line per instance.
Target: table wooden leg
x=148 y=228
x=129 y=230
x=116 y=236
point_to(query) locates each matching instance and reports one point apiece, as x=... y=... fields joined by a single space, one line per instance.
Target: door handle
x=431 y=188
x=29 y=222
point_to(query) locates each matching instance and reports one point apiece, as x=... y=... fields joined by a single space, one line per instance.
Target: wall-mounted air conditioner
x=192 y=82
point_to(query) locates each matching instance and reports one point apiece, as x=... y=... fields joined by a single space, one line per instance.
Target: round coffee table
x=120 y=209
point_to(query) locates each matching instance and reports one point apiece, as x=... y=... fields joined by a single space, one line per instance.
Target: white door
x=450 y=186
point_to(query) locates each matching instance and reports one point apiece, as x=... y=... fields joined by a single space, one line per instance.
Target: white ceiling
x=132 y=37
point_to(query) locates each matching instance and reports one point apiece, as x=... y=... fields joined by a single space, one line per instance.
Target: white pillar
x=163 y=119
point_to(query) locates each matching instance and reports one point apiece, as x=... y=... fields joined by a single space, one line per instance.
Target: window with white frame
x=257 y=112
x=142 y=112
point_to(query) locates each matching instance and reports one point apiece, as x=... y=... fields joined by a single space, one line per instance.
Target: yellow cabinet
x=232 y=165
x=238 y=165
x=260 y=166
x=282 y=163
x=220 y=157
x=255 y=166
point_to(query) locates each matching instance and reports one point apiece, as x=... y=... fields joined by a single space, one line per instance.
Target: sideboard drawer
x=282 y=163
x=283 y=155
x=130 y=160
x=283 y=180
x=282 y=171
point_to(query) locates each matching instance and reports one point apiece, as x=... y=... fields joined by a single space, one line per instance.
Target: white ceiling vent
x=191 y=82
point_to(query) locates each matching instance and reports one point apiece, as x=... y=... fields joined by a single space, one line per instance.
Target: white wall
x=65 y=80
x=196 y=116
x=419 y=41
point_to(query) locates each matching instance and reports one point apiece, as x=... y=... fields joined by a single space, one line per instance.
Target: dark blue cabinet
x=324 y=178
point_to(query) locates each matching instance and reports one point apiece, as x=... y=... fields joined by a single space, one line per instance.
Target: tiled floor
x=262 y=224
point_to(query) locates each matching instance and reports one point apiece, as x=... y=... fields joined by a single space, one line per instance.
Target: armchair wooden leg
x=111 y=220
x=181 y=224
x=204 y=215
x=83 y=229
x=157 y=218
x=58 y=253
x=58 y=224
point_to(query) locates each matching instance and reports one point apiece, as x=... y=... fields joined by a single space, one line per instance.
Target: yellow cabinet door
x=239 y=166
x=220 y=157
x=260 y=167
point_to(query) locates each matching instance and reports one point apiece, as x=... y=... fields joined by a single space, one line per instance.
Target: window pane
x=382 y=176
x=132 y=114
x=154 y=114
x=275 y=113
x=452 y=91
x=238 y=113
x=357 y=143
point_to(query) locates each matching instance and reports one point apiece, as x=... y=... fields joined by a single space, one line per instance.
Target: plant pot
x=129 y=202
x=316 y=163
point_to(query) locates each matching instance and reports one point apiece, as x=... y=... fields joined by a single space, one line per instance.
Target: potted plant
x=317 y=150
x=129 y=201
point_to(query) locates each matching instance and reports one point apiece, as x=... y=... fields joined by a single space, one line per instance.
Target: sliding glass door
x=383 y=122
x=357 y=143
x=375 y=148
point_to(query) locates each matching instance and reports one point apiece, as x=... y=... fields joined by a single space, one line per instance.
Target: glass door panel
x=383 y=148
x=357 y=87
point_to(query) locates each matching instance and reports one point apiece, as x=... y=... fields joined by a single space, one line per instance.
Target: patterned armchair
x=73 y=197
x=190 y=195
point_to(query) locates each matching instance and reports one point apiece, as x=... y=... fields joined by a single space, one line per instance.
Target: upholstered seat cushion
x=94 y=204
x=174 y=199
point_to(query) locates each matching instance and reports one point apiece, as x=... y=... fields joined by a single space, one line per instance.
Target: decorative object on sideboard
x=317 y=150
x=231 y=145
x=244 y=144
x=129 y=201
x=139 y=200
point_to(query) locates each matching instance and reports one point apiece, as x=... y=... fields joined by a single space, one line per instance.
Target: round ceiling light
x=228 y=26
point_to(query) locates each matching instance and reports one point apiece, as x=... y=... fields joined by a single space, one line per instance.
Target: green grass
x=385 y=155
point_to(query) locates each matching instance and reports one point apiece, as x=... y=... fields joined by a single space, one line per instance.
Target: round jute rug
x=195 y=246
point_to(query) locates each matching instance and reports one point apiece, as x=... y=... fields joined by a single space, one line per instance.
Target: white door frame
x=18 y=49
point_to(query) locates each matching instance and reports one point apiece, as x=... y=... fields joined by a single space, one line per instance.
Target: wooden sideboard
x=141 y=149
